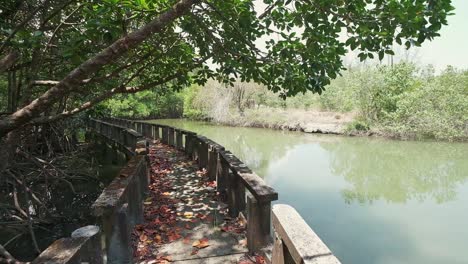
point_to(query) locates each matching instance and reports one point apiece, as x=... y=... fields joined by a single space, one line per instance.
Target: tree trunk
x=105 y=57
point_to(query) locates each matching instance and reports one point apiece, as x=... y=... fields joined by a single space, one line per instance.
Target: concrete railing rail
x=247 y=194
x=84 y=246
x=118 y=208
x=122 y=135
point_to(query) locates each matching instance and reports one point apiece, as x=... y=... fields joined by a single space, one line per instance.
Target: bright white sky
x=451 y=47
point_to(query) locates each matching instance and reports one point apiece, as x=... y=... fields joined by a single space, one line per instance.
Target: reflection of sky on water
x=371 y=200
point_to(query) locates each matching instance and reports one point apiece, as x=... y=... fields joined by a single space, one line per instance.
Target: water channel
x=371 y=200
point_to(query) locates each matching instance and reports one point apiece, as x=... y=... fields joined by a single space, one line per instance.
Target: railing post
x=119 y=248
x=171 y=136
x=278 y=251
x=155 y=133
x=236 y=195
x=258 y=225
x=222 y=175
x=149 y=130
x=179 y=139
x=189 y=141
x=213 y=157
x=135 y=201
x=92 y=253
x=165 y=135
x=139 y=127
x=202 y=152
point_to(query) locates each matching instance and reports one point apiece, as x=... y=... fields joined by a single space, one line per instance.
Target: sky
x=451 y=48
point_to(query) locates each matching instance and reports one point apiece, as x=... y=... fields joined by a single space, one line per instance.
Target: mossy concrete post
x=196 y=148
x=171 y=136
x=212 y=163
x=189 y=143
x=92 y=251
x=165 y=135
x=144 y=129
x=213 y=160
x=179 y=139
x=236 y=195
x=155 y=131
x=202 y=152
x=135 y=203
x=149 y=130
x=140 y=128
x=120 y=248
x=258 y=224
x=222 y=175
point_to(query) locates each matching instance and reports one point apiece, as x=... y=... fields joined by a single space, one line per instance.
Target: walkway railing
x=247 y=194
x=118 y=208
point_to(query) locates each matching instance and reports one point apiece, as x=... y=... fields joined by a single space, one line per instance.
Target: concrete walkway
x=185 y=221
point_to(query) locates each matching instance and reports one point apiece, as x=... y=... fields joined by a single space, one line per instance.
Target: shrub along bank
x=403 y=101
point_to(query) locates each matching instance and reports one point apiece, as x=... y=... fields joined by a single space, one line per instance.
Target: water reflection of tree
x=399 y=171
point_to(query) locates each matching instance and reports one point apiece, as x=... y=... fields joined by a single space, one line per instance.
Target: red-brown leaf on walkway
x=173 y=237
x=187 y=239
x=158 y=239
x=259 y=260
x=143 y=237
x=178 y=204
x=211 y=184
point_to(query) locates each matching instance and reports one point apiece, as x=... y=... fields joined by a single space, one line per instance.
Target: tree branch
x=107 y=56
x=8 y=61
x=106 y=95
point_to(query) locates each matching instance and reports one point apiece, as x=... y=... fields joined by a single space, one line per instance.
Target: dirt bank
x=309 y=121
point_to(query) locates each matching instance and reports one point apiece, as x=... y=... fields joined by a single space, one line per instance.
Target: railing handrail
x=84 y=246
x=303 y=244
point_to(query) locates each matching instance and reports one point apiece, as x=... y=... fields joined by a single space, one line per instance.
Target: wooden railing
x=247 y=194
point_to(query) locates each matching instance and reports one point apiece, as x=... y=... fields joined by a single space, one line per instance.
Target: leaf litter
x=165 y=217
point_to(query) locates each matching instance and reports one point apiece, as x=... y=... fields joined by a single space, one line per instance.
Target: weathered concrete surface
x=304 y=245
x=199 y=207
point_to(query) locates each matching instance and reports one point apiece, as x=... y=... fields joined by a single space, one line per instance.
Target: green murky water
x=371 y=200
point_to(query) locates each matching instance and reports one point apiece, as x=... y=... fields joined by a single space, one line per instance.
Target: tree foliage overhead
x=60 y=57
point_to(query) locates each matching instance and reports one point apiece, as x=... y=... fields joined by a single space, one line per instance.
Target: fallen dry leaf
x=187 y=240
x=201 y=243
x=259 y=260
x=243 y=242
x=188 y=214
x=143 y=237
x=158 y=239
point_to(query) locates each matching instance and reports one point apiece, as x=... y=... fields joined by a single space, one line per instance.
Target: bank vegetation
x=403 y=101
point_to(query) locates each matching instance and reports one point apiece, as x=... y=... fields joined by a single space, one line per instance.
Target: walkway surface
x=185 y=221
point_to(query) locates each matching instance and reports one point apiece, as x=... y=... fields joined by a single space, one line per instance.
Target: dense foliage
x=71 y=55
x=146 y=104
x=401 y=101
